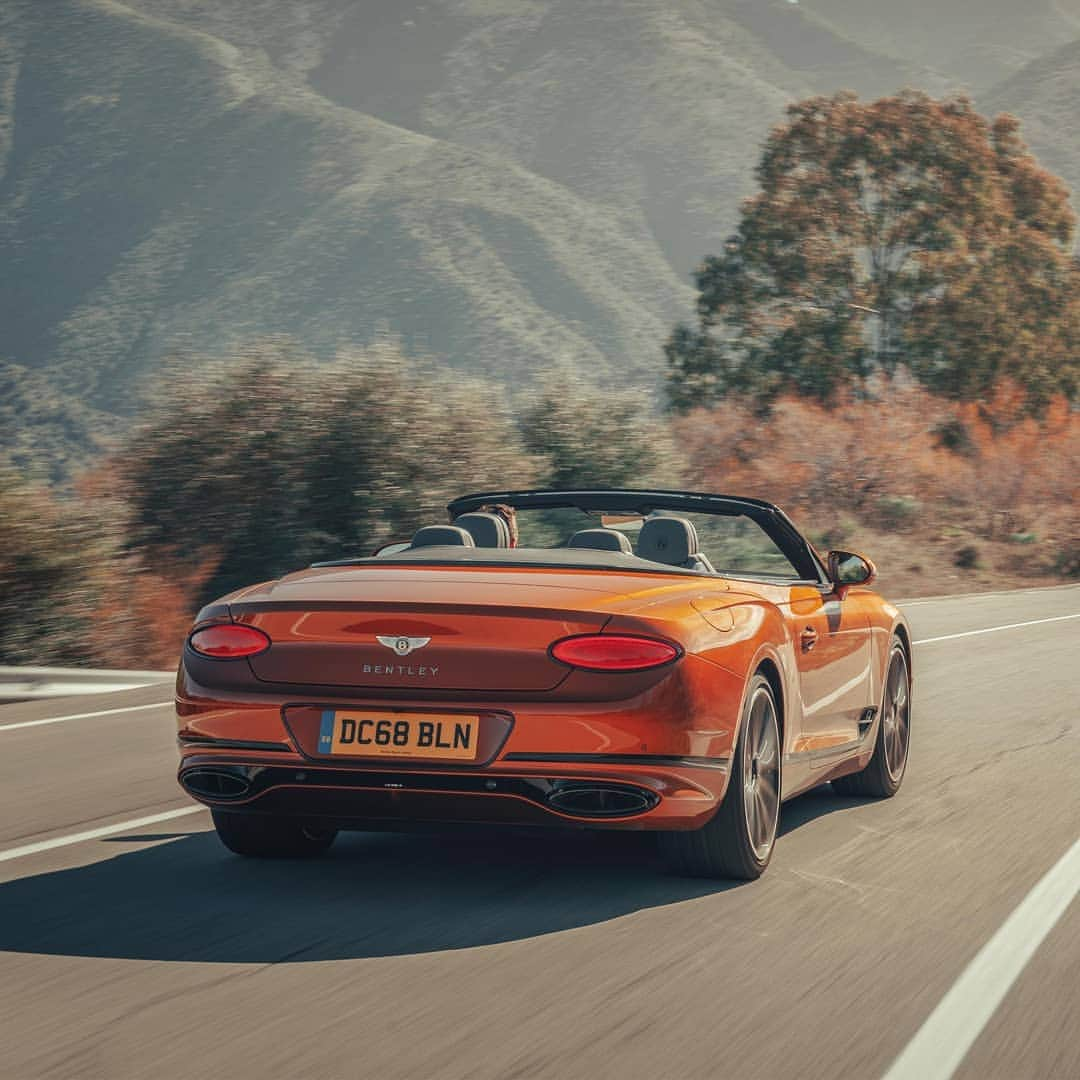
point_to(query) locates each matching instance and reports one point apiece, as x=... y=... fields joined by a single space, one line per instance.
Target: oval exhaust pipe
x=600 y=800
x=216 y=783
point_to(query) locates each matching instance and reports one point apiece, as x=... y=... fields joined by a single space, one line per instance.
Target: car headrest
x=601 y=540
x=487 y=530
x=441 y=536
x=669 y=540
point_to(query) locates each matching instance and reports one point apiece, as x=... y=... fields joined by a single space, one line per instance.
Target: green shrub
x=589 y=436
x=967 y=557
x=898 y=511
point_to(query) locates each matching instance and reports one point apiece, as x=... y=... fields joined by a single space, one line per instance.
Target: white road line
x=994 y=629
x=82 y=716
x=911 y=601
x=948 y=1033
x=94 y=834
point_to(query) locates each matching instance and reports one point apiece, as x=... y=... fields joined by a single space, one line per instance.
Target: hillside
x=972 y=43
x=502 y=183
x=164 y=190
x=1045 y=94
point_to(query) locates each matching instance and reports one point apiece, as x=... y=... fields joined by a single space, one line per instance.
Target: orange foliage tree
x=905 y=232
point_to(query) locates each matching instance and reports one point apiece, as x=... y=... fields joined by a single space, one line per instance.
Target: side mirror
x=847 y=568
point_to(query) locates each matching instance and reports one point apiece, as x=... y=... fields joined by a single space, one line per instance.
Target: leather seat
x=672 y=541
x=487 y=530
x=442 y=536
x=601 y=540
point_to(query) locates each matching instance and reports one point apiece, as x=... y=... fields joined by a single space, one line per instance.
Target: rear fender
x=755 y=633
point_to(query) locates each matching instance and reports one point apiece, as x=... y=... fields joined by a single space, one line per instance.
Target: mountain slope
x=165 y=190
x=655 y=109
x=501 y=183
x=974 y=43
x=1045 y=96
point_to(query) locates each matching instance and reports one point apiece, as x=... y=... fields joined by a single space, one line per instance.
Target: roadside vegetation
x=889 y=347
x=255 y=466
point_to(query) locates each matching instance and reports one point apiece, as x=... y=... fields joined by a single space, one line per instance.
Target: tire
x=884 y=772
x=263 y=836
x=738 y=841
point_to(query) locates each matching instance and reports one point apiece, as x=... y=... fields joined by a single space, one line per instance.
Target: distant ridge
x=503 y=184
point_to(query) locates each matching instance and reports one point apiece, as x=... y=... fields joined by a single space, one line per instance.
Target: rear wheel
x=267 y=837
x=738 y=841
x=885 y=770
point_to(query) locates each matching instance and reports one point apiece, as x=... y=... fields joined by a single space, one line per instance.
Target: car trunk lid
x=418 y=629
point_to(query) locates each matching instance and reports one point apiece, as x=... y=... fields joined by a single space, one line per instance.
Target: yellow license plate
x=439 y=736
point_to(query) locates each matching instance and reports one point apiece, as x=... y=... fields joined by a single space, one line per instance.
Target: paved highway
x=144 y=950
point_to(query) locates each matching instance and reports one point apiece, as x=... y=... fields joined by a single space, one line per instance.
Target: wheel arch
x=768 y=667
x=903 y=632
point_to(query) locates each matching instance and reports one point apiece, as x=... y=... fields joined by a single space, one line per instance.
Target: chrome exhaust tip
x=219 y=784
x=585 y=799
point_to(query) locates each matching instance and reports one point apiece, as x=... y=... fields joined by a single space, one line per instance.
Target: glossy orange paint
x=668 y=732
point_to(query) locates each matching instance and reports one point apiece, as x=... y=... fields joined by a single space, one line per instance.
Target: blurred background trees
x=265 y=463
x=583 y=435
x=888 y=347
x=49 y=558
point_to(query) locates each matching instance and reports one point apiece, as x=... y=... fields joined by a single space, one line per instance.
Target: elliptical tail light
x=614 y=652
x=229 y=641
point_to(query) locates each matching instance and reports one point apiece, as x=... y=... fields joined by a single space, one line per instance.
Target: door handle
x=808 y=638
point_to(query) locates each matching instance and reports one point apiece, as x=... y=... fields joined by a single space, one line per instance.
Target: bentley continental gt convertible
x=657 y=660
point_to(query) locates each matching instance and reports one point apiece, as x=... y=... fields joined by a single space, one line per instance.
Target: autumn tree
x=265 y=461
x=906 y=232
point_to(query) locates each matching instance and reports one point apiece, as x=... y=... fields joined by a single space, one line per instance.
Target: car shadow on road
x=816 y=803
x=372 y=895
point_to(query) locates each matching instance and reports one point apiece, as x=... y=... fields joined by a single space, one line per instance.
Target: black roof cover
x=773 y=521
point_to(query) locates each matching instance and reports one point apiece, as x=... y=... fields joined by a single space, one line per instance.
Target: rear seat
x=442 y=536
x=487 y=530
x=601 y=540
x=672 y=541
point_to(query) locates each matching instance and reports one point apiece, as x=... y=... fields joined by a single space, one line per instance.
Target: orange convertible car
x=656 y=660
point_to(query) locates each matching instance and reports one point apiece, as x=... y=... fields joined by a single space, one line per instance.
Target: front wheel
x=885 y=770
x=738 y=841
x=265 y=836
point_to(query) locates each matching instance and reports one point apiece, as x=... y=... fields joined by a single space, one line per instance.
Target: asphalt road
x=150 y=952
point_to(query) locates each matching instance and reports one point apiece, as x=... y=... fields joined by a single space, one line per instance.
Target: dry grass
x=1000 y=509
x=878 y=475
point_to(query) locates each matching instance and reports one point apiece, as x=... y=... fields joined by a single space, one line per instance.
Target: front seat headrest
x=442 y=536
x=669 y=540
x=601 y=540
x=487 y=530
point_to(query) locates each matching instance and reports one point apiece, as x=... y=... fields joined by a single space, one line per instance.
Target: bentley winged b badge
x=402 y=645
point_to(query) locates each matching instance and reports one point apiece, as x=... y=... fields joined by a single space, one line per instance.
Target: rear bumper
x=639 y=796
x=659 y=761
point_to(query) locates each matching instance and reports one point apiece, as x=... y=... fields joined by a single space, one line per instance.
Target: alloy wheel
x=896 y=715
x=761 y=773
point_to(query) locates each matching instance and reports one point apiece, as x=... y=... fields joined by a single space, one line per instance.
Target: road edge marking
x=82 y=716
x=981 y=595
x=994 y=629
x=948 y=1033
x=94 y=834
